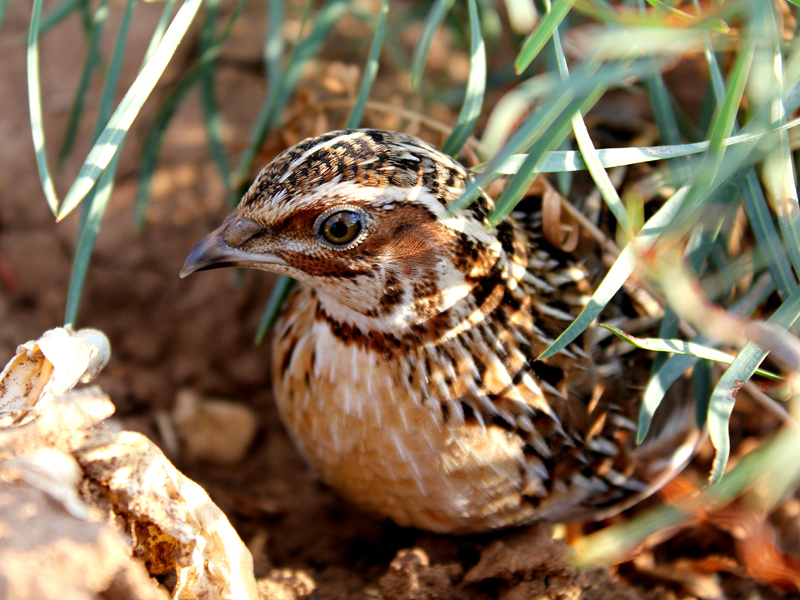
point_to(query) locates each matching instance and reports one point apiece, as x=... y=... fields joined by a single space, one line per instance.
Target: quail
x=405 y=361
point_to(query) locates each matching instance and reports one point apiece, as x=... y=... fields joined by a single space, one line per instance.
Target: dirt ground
x=170 y=335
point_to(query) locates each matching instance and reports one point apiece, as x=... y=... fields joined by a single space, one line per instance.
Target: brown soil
x=168 y=334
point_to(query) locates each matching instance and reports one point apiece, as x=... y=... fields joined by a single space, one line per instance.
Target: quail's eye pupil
x=338 y=229
x=341 y=227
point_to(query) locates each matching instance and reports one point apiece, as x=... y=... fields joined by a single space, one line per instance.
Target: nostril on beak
x=242 y=230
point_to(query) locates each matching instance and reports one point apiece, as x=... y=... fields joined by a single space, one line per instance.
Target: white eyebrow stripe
x=316 y=147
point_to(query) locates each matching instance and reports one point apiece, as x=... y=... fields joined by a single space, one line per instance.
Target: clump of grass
x=735 y=157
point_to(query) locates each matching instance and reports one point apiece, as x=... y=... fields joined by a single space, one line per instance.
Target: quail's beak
x=223 y=248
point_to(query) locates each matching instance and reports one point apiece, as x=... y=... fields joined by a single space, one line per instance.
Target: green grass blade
x=512 y=108
x=547 y=125
x=589 y=153
x=569 y=160
x=724 y=119
x=620 y=271
x=273 y=43
x=658 y=384
x=154 y=139
x=702 y=387
x=283 y=285
x=778 y=170
x=755 y=204
x=303 y=52
x=678 y=346
x=556 y=123
x=663 y=109
x=370 y=69
x=159 y=30
x=57 y=14
x=213 y=121
x=97 y=202
x=35 y=105
x=208 y=99
x=272 y=108
x=109 y=141
x=664 y=112
x=766 y=471
x=724 y=395
x=543 y=32
x=89 y=64
x=767 y=238
x=436 y=15
x=114 y=70
x=3 y=6
x=476 y=86
x=165 y=113
x=85 y=14
x=671 y=369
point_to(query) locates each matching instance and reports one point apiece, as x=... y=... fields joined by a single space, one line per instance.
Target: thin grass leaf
x=272 y=108
x=476 y=87
x=97 y=202
x=677 y=346
x=85 y=14
x=543 y=32
x=552 y=134
x=702 y=386
x=3 y=6
x=280 y=291
x=560 y=100
x=758 y=213
x=106 y=146
x=718 y=170
x=35 y=106
x=668 y=369
x=778 y=171
x=57 y=14
x=724 y=119
x=208 y=100
x=570 y=160
x=513 y=108
x=684 y=16
x=303 y=52
x=213 y=122
x=589 y=153
x=159 y=30
x=765 y=469
x=675 y=366
x=97 y=199
x=433 y=21
x=370 y=69
x=154 y=139
x=724 y=395
x=620 y=271
x=114 y=70
x=664 y=113
x=274 y=44
x=491 y=23
x=165 y=113
x=89 y=64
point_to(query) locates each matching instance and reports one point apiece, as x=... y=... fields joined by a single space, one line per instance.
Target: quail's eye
x=341 y=227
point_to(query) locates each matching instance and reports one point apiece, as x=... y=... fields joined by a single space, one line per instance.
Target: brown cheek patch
x=318 y=261
x=411 y=235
